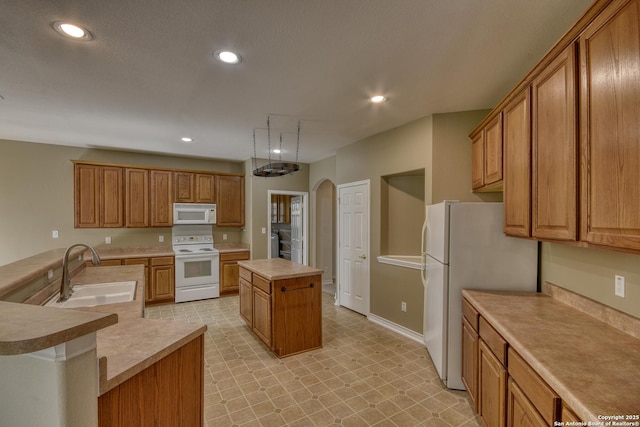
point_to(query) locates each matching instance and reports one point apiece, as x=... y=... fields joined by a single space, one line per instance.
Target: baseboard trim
x=396 y=328
x=327 y=282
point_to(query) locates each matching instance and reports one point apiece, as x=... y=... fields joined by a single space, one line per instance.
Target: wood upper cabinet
x=136 y=197
x=161 y=198
x=554 y=164
x=486 y=157
x=493 y=151
x=477 y=160
x=230 y=200
x=610 y=139
x=517 y=165
x=205 y=188
x=97 y=196
x=185 y=183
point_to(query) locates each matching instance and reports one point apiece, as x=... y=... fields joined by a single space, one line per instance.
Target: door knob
x=363 y=256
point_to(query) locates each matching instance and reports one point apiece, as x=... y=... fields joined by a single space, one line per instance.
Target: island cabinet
x=282 y=303
x=170 y=392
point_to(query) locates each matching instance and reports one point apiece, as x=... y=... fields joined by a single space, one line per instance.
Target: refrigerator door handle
x=423 y=254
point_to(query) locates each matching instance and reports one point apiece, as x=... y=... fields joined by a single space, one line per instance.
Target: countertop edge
x=289 y=270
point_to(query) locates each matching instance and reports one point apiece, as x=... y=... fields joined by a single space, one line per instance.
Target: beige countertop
x=107 y=252
x=278 y=268
x=232 y=247
x=30 y=328
x=593 y=367
x=16 y=274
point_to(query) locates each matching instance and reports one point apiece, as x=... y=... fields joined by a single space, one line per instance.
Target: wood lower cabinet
x=230 y=271
x=610 y=150
x=508 y=392
x=492 y=384
x=286 y=314
x=555 y=145
x=168 y=393
x=522 y=413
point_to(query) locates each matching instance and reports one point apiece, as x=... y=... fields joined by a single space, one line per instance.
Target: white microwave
x=194 y=213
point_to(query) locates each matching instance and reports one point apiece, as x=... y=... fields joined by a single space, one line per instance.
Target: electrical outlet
x=107 y=240
x=55 y=234
x=619 y=286
x=403 y=306
x=161 y=238
x=224 y=236
x=264 y=230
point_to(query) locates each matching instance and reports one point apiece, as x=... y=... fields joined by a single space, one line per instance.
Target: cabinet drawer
x=234 y=256
x=470 y=314
x=165 y=260
x=136 y=261
x=262 y=283
x=537 y=391
x=494 y=341
x=568 y=415
x=246 y=275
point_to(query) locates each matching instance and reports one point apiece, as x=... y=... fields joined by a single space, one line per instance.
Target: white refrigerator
x=465 y=248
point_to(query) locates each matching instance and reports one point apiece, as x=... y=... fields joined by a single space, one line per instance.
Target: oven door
x=192 y=270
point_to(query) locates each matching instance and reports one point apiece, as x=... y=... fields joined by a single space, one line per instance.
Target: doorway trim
x=305 y=216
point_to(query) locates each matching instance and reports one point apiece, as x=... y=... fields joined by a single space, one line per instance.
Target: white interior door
x=353 y=246
x=297 y=230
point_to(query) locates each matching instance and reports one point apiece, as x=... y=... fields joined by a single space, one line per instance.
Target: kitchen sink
x=97 y=294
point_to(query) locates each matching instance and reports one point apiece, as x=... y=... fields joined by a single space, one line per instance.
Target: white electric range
x=197 y=263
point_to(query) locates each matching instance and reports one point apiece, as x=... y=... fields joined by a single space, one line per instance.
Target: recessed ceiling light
x=377 y=99
x=186 y=139
x=72 y=31
x=227 y=56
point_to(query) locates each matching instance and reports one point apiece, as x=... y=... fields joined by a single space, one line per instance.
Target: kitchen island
x=281 y=302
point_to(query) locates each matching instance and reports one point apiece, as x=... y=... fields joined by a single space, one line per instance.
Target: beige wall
x=257 y=213
x=36 y=184
x=590 y=272
x=402 y=205
x=438 y=144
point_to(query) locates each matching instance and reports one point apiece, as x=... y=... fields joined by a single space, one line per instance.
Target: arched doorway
x=324 y=233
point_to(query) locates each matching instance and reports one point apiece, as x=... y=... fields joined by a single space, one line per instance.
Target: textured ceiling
x=148 y=77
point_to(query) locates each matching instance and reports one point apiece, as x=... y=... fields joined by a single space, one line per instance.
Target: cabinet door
x=521 y=412
x=493 y=151
x=492 y=388
x=185 y=187
x=517 y=166
x=161 y=202
x=162 y=283
x=86 y=196
x=137 y=197
x=246 y=301
x=230 y=271
x=230 y=200
x=610 y=102
x=262 y=315
x=477 y=161
x=555 y=150
x=111 y=206
x=470 y=361
x=205 y=188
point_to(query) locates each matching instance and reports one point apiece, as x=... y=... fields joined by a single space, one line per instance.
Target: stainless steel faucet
x=65 y=283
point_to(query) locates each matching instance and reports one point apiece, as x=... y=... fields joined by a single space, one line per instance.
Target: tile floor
x=365 y=375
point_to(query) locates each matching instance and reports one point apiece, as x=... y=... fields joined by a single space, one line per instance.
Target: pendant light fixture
x=279 y=168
